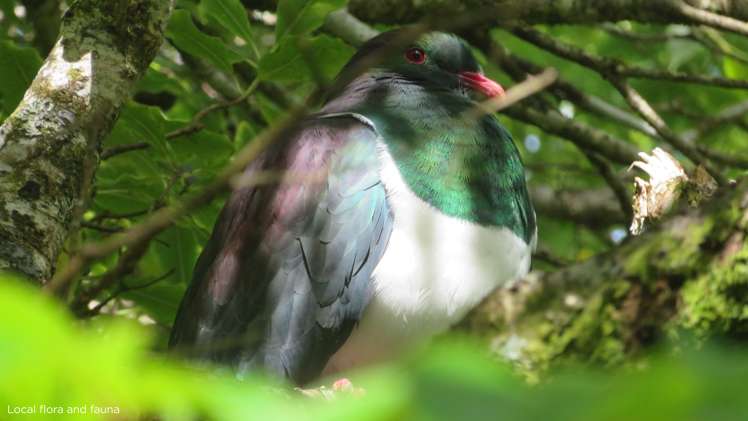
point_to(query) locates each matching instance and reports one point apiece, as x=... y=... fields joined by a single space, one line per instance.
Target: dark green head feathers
x=417 y=98
x=437 y=61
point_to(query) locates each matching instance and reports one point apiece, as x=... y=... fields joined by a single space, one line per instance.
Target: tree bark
x=690 y=272
x=541 y=11
x=49 y=146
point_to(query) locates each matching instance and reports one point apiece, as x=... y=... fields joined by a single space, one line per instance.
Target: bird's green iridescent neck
x=464 y=168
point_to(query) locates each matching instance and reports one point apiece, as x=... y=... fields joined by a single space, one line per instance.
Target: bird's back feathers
x=286 y=273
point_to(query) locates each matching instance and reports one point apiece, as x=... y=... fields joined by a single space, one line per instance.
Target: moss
x=593 y=331
x=674 y=252
x=598 y=319
x=132 y=25
x=717 y=302
x=689 y=272
x=67 y=97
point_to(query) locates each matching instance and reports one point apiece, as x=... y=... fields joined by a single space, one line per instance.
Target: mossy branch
x=686 y=273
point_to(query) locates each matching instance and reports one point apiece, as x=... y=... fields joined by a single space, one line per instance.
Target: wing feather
x=287 y=271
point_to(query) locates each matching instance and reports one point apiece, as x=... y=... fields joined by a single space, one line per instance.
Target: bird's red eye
x=415 y=55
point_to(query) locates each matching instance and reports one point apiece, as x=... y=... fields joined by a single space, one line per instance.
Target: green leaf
x=140 y=123
x=299 y=17
x=18 y=66
x=288 y=63
x=231 y=14
x=244 y=133
x=134 y=181
x=161 y=300
x=734 y=69
x=155 y=82
x=204 y=149
x=270 y=111
x=185 y=35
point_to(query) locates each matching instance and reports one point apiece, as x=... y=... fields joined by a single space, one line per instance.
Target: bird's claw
x=339 y=387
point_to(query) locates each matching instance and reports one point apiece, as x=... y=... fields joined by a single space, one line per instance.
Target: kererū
x=413 y=211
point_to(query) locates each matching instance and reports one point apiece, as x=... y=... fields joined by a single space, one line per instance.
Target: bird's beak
x=481 y=84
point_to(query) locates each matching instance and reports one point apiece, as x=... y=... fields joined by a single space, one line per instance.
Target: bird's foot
x=339 y=387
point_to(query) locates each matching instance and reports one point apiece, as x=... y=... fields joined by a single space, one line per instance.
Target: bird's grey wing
x=287 y=271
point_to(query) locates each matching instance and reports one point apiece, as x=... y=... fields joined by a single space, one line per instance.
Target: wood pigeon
x=413 y=211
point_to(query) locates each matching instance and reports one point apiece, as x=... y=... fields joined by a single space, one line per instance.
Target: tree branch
x=715 y=20
x=638 y=103
x=518 y=67
x=609 y=66
x=730 y=114
x=49 y=145
x=539 y=11
x=584 y=136
x=614 y=182
x=591 y=208
x=615 y=71
x=681 y=274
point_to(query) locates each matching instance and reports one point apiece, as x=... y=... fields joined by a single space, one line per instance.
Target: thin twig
x=518 y=67
x=120 y=149
x=196 y=123
x=611 y=66
x=641 y=106
x=708 y=18
x=614 y=182
x=125 y=266
x=530 y=86
x=596 y=209
x=590 y=138
x=106 y=214
x=546 y=255
x=730 y=114
x=616 y=30
x=615 y=71
x=194 y=126
x=101 y=228
x=122 y=288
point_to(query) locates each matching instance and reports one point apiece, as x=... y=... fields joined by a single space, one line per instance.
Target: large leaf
x=140 y=123
x=132 y=182
x=231 y=14
x=160 y=301
x=185 y=35
x=203 y=150
x=289 y=62
x=178 y=250
x=734 y=68
x=155 y=81
x=299 y=17
x=18 y=66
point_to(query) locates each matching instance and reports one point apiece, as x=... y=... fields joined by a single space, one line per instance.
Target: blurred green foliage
x=213 y=52
x=49 y=359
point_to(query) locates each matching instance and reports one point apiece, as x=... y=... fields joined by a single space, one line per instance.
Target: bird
x=414 y=210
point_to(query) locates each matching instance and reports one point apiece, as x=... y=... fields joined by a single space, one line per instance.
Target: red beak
x=481 y=84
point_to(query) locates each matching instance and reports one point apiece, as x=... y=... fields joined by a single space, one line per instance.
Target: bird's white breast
x=435 y=269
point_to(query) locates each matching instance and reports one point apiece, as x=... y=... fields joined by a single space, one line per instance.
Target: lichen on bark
x=49 y=145
x=688 y=273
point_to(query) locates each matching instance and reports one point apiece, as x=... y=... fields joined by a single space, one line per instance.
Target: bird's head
x=437 y=61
